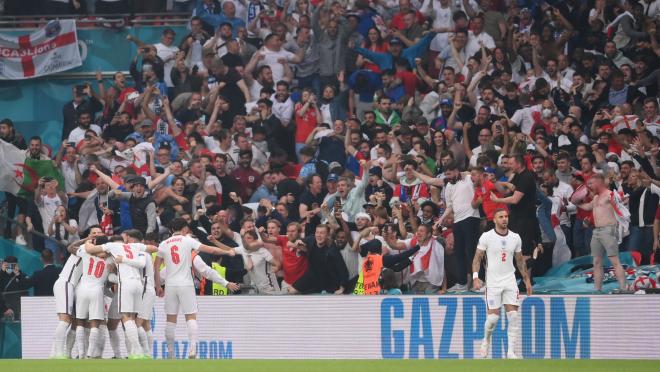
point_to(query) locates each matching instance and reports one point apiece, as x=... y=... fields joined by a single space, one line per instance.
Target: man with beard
x=522 y=203
x=9 y=134
x=264 y=76
x=294 y=259
x=326 y=271
x=310 y=203
x=142 y=207
x=79 y=103
x=247 y=178
x=459 y=193
x=84 y=121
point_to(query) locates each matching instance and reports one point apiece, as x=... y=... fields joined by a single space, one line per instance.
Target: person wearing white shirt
x=459 y=192
x=501 y=246
x=523 y=118
x=274 y=55
x=282 y=103
x=84 y=124
x=167 y=52
x=478 y=37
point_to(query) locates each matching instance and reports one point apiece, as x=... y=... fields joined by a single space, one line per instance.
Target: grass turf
x=325 y=365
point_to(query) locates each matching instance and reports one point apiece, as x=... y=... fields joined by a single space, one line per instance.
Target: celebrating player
x=176 y=252
x=499 y=245
x=130 y=258
x=64 y=290
x=89 y=299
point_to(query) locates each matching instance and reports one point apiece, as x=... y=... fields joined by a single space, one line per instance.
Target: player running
x=131 y=259
x=499 y=245
x=64 y=291
x=176 y=252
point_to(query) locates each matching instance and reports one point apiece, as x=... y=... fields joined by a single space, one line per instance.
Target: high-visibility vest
x=153 y=258
x=369 y=279
x=217 y=289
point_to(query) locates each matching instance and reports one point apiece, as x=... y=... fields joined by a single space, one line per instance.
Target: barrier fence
x=390 y=327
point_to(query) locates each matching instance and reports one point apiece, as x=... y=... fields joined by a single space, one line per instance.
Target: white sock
x=489 y=327
x=169 y=337
x=192 y=335
x=100 y=344
x=80 y=341
x=114 y=343
x=150 y=340
x=70 y=341
x=60 y=338
x=93 y=342
x=87 y=331
x=132 y=337
x=142 y=336
x=512 y=332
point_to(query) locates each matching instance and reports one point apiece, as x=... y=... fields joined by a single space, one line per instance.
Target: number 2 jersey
x=500 y=251
x=176 y=252
x=131 y=251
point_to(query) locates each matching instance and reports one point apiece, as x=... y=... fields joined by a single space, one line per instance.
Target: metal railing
x=97 y=20
x=3 y=222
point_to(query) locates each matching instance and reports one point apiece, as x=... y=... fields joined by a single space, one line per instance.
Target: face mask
x=9 y=271
x=546 y=113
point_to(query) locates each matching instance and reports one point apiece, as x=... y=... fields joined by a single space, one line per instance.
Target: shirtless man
x=604 y=238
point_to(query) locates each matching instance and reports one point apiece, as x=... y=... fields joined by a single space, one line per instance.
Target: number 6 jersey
x=177 y=254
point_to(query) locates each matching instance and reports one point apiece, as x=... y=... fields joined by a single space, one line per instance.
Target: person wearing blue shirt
x=365 y=83
x=385 y=61
x=228 y=15
x=266 y=190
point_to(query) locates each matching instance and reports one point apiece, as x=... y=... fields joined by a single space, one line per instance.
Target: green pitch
x=325 y=365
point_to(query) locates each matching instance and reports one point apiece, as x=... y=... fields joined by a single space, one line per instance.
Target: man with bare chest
x=605 y=235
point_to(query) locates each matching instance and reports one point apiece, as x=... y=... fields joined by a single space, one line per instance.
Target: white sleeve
x=204 y=270
x=138 y=262
x=81 y=251
x=517 y=117
x=194 y=244
x=483 y=244
x=518 y=245
x=267 y=255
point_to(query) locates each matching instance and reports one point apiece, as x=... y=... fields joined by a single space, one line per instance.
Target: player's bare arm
x=522 y=266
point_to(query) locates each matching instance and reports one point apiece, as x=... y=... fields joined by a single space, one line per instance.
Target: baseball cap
x=138 y=180
x=396 y=40
x=490 y=170
x=376 y=171
x=332 y=178
x=368 y=204
x=446 y=101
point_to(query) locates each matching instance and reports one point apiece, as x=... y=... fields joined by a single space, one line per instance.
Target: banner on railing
x=389 y=327
x=51 y=49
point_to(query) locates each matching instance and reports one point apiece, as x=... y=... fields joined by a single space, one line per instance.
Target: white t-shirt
x=500 y=251
x=270 y=59
x=47 y=209
x=472 y=46
x=78 y=134
x=131 y=251
x=523 y=118
x=95 y=271
x=167 y=52
x=177 y=254
x=459 y=197
x=69 y=174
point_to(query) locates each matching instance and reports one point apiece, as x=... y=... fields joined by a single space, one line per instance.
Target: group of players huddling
x=111 y=279
x=98 y=262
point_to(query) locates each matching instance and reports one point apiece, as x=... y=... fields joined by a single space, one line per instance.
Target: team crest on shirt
x=251 y=179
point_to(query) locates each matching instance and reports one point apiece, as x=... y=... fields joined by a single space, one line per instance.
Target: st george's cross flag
x=50 y=49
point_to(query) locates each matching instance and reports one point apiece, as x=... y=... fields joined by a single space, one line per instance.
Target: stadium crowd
x=301 y=129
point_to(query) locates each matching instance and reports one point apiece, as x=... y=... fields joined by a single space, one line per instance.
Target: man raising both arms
x=176 y=252
x=500 y=245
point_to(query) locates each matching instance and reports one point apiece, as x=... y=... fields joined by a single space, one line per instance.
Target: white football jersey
x=500 y=251
x=177 y=254
x=72 y=270
x=148 y=272
x=130 y=251
x=95 y=271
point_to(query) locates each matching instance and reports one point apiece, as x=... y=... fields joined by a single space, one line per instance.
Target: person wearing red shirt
x=408 y=78
x=375 y=43
x=248 y=179
x=307 y=117
x=483 y=186
x=404 y=7
x=294 y=260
